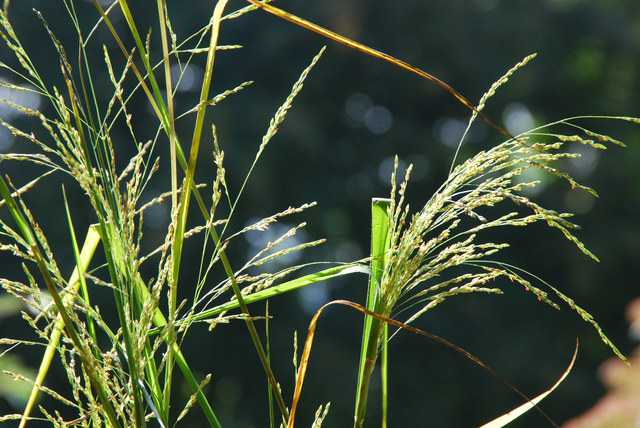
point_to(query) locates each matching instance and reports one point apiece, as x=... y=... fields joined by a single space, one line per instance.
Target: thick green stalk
x=195 y=147
x=372 y=330
x=183 y=206
x=384 y=364
x=171 y=131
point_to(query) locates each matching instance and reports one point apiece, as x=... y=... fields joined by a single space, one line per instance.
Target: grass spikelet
x=504 y=79
x=282 y=110
x=193 y=398
x=320 y=415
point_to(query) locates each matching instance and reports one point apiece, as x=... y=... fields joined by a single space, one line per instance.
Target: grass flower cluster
x=124 y=373
x=437 y=253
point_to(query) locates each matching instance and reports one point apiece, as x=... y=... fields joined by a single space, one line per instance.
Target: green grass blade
x=183 y=206
x=160 y=321
x=22 y=223
x=280 y=289
x=174 y=180
x=161 y=111
x=118 y=272
x=170 y=108
x=81 y=266
x=272 y=423
x=380 y=243
x=86 y=254
x=85 y=356
x=193 y=384
x=141 y=50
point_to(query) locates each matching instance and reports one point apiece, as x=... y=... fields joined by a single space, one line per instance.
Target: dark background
x=588 y=56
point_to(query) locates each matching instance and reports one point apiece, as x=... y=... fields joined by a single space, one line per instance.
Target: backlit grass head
x=422 y=266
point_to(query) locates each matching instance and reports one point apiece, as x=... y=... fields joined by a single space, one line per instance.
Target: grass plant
x=123 y=373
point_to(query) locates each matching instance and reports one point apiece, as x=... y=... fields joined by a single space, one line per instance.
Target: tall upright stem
x=372 y=330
